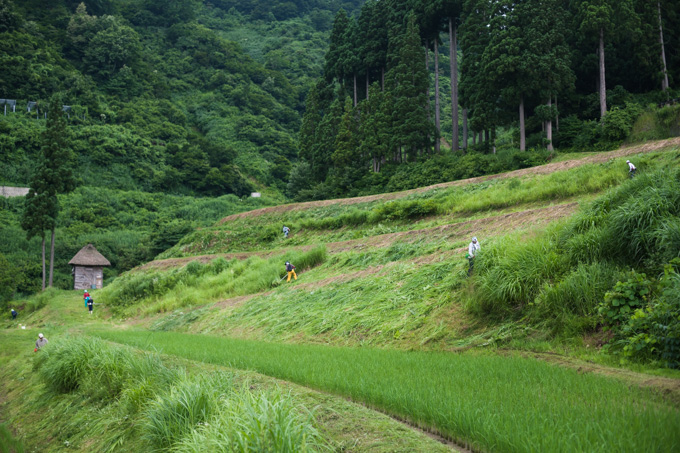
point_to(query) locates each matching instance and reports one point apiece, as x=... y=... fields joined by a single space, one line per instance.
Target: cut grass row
x=502 y=404
x=343 y=222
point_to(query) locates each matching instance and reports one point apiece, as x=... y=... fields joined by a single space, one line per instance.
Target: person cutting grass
x=291 y=271
x=473 y=248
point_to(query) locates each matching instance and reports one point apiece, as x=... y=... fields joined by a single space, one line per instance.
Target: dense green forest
x=176 y=96
x=530 y=74
x=164 y=102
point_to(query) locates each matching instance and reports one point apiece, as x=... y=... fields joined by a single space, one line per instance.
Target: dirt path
x=482 y=227
x=669 y=388
x=540 y=170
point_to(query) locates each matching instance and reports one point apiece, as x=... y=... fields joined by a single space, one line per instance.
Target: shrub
x=652 y=332
x=625 y=298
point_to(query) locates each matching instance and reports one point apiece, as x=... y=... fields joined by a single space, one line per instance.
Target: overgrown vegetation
x=142 y=402
x=198 y=283
x=561 y=277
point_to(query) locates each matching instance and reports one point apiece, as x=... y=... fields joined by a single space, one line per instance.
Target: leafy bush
x=652 y=331
x=618 y=122
x=625 y=298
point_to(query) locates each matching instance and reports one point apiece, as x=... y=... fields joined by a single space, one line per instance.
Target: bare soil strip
x=539 y=170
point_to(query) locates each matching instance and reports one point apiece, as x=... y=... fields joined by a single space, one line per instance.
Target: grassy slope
x=389 y=283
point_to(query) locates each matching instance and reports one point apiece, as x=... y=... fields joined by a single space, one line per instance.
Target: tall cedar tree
x=607 y=20
x=375 y=127
x=54 y=175
x=407 y=84
x=478 y=95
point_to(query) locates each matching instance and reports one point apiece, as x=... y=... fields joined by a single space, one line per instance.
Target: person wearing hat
x=286 y=230
x=40 y=342
x=631 y=169
x=86 y=295
x=291 y=271
x=14 y=314
x=473 y=248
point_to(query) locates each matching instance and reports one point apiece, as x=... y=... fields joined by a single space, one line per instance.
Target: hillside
x=383 y=313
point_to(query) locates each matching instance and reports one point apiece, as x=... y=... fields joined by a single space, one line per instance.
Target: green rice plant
x=255 y=421
x=492 y=402
x=190 y=402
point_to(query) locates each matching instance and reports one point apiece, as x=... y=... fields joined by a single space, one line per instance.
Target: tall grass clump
x=566 y=272
x=250 y=421
x=189 y=403
x=101 y=371
x=632 y=225
x=511 y=274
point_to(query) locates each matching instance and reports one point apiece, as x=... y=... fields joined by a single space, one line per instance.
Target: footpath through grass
x=500 y=404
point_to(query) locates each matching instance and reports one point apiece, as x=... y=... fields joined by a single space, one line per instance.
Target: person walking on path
x=286 y=230
x=14 y=314
x=473 y=248
x=40 y=342
x=90 y=303
x=631 y=169
x=291 y=271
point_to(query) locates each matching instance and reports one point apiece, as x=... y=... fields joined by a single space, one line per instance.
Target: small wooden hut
x=87 y=268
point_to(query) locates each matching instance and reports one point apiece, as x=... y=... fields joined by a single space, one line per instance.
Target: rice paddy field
x=385 y=342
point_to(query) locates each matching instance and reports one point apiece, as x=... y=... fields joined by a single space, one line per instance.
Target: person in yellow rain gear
x=291 y=270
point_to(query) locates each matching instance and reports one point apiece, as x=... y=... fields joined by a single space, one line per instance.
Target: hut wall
x=87 y=276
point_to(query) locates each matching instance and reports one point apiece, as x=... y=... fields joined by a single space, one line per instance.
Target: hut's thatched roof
x=89 y=256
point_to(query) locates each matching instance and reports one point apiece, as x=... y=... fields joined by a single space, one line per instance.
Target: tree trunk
x=548 y=127
x=453 y=53
x=44 y=273
x=382 y=78
x=427 y=90
x=474 y=138
x=603 y=87
x=465 y=129
x=355 y=89
x=367 y=82
x=486 y=135
x=481 y=137
x=664 y=82
x=522 y=136
x=52 y=259
x=557 y=116
x=437 y=121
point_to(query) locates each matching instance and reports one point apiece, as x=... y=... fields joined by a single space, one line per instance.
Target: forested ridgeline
x=178 y=96
x=536 y=74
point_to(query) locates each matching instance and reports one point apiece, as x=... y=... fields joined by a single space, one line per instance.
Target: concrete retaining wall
x=8 y=192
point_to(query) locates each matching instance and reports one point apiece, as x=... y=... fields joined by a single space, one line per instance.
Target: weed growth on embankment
x=198 y=283
x=132 y=401
x=561 y=276
x=501 y=404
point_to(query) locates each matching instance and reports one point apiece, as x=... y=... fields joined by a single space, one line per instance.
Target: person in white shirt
x=473 y=248
x=631 y=169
